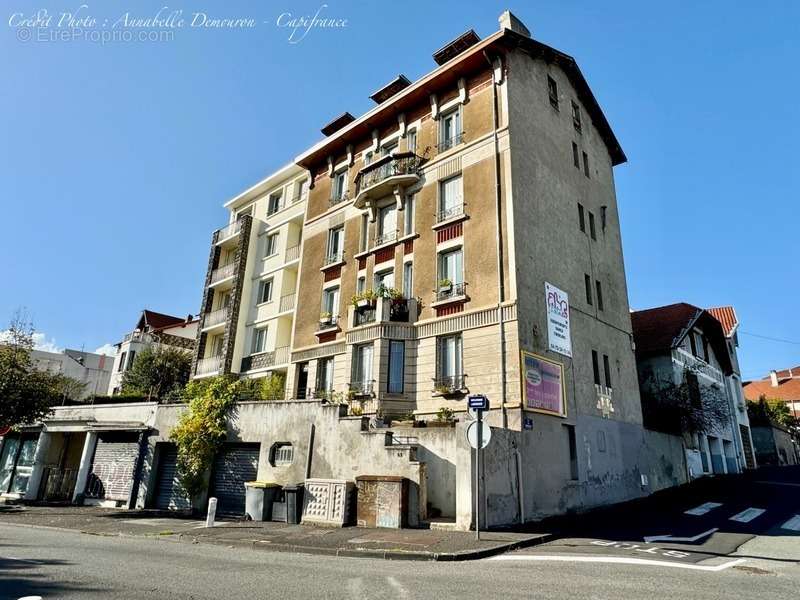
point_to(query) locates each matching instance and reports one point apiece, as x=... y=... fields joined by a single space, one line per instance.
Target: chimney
x=509 y=21
x=773 y=378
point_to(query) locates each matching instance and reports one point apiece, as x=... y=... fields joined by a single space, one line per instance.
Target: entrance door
x=233 y=466
x=302 y=381
x=16 y=463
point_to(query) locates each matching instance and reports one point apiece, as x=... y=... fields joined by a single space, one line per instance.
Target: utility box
x=327 y=502
x=294 y=503
x=382 y=501
x=259 y=498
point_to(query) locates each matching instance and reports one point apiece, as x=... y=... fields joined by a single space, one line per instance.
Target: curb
x=260 y=545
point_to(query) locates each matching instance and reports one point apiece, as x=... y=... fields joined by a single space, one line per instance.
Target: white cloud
x=107 y=349
x=40 y=341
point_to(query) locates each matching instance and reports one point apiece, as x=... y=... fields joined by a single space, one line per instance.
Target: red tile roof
x=155 y=320
x=726 y=315
x=788 y=390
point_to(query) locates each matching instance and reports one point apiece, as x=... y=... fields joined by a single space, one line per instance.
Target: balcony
x=208 y=366
x=333 y=259
x=448 y=385
x=361 y=388
x=697 y=365
x=383 y=310
x=338 y=199
x=328 y=323
x=451 y=292
x=138 y=336
x=266 y=360
x=286 y=303
x=222 y=273
x=386 y=238
x=215 y=317
x=292 y=253
x=450 y=142
x=229 y=231
x=362 y=316
x=451 y=213
x=381 y=177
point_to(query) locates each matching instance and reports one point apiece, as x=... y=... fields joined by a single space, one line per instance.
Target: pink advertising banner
x=543 y=384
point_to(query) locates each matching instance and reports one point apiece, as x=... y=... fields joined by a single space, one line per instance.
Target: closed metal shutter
x=749 y=459
x=233 y=466
x=169 y=493
x=113 y=466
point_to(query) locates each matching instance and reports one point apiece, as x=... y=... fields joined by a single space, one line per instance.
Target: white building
x=93 y=370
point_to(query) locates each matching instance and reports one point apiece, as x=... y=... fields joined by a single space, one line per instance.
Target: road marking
x=792 y=524
x=402 y=592
x=621 y=560
x=748 y=515
x=702 y=509
x=669 y=538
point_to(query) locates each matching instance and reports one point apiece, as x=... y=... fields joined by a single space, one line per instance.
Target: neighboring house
x=93 y=370
x=783 y=385
x=726 y=315
x=685 y=345
x=151 y=329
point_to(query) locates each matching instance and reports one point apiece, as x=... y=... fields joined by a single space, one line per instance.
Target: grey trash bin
x=259 y=498
x=294 y=503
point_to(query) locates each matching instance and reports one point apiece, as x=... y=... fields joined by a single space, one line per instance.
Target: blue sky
x=116 y=158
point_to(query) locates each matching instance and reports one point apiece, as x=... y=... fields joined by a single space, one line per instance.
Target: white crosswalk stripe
x=748 y=515
x=792 y=524
x=703 y=508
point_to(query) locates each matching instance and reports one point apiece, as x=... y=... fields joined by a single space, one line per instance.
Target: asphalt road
x=68 y=564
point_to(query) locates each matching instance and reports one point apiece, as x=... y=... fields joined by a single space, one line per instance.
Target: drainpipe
x=499 y=244
x=520 y=488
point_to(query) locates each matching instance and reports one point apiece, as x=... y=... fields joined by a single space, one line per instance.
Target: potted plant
x=396 y=295
x=445 y=285
x=444 y=418
x=325 y=318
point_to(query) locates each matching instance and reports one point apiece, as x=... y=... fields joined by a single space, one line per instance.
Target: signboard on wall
x=543 y=385
x=558 y=333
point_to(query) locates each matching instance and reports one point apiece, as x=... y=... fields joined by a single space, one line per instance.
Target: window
x=281 y=454
x=330 y=300
x=218 y=345
x=339 y=187
x=265 y=291
x=224 y=300
x=245 y=211
x=408 y=280
x=592 y=230
x=362 y=247
x=694 y=390
x=325 y=374
x=607 y=370
x=385 y=279
x=599 y=294
x=448 y=361
x=576 y=116
x=367 y=158
x=408 y=216
x=362 y=367
x=587 y=282
x=575 y=156
x=121 y=366
x=450 y=129
x=131 y=358
x=585 y=164
x=450 y=198
x=302 y=190
x=595 y=367
x=581 y=218
x=274 y=203
x=335 y=244
x=573 y=452
x=388 y=149
x=387 y=224
x=411 y=140
x=361 y=284
x=259 y=342
x=451 y=266
x=271 y=244
x=397 y=351
x=552 y=91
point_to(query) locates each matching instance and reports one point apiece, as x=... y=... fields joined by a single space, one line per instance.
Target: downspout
x=499 y=242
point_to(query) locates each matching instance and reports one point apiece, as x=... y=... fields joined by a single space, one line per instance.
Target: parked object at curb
x=260 y=498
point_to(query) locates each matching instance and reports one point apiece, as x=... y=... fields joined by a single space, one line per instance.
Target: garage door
x=113 y=466
x=233 y=465
x=169 y=493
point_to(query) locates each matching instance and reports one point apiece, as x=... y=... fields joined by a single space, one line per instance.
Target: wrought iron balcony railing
x=334 y=258
x=454 y=290
x=229 y=230
x=450 y=212
x=450 y=142
x=403 y=163
x=361 y=388
x=362 y=316
x=449 y=384
x=386 y=238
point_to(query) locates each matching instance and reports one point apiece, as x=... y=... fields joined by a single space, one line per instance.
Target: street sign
x=472 y=434
x=478 y=402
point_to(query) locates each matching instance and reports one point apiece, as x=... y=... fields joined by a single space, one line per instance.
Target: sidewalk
x=393 y=544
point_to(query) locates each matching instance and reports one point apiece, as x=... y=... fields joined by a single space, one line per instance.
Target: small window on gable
x=552 y=92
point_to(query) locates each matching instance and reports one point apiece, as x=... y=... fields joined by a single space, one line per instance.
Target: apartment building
x=90 y=369
x=250 y=289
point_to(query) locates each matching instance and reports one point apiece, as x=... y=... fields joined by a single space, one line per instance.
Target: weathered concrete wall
x=773 y=446
x=141 y=412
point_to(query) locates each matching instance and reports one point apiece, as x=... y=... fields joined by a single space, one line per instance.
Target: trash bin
x=259 y=498
x=294 y=503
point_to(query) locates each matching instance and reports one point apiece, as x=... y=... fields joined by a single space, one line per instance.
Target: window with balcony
x=274 y=203
x=387 y=225
x=335 y=245
x=450 y=132
x=607 y=370
x=552 y=92
x=361 y=284
x=411 y=140
x=259 y=340
x=324 y=375
x=408 y=216
x=408 y=280
x=451 y=274
x=576 y=116
x=388 y=148
x=451 y=199
x=384 y=278
x=245 y=211
x=330 y=302
x=265 y=291
x=271 y=245
x=367 y=158
x=218 y=345
x=339 y=186
x=596 y=368
x=361 y=382
x=449 y=368
x=397 y=352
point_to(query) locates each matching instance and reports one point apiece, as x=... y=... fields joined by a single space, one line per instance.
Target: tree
x=158 y=372
x=766 y=412
x=26 y=395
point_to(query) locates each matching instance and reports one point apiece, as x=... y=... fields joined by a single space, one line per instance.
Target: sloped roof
x=788 y=390
x=658 y=330
x=726 y=315
x=155 y=320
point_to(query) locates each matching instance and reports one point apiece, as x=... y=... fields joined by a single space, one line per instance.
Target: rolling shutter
x=169 y=493
x=113 y=466
x=233 y=466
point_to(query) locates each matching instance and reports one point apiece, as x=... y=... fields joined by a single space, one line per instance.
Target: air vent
x=457 y=46
x=339 y=122
x=397 y=84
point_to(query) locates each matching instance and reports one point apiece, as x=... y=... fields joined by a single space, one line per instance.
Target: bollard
x=212 y=512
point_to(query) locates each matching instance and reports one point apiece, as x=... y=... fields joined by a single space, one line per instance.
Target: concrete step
x=441 y=524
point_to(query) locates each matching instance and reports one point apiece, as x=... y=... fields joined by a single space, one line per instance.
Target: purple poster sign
x=543 y=384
